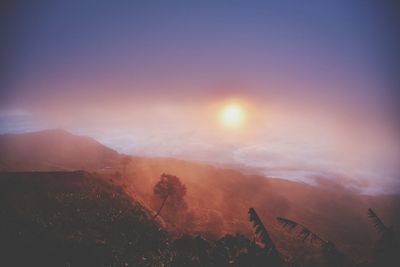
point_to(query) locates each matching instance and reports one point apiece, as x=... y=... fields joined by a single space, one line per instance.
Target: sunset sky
x=315 y=82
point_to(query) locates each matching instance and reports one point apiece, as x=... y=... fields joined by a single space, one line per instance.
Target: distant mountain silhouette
x=53 y=150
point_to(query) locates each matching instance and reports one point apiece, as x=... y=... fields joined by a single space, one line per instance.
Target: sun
x=232 y=115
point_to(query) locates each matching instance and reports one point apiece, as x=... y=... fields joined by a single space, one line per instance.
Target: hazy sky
x=317 y=78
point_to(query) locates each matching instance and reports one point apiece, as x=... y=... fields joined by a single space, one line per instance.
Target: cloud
x=300 y=152
x=316 y=163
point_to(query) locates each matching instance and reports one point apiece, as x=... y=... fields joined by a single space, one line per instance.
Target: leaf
x=304 y=233
x=379 y=225
x=286 y=223
x=261 y=231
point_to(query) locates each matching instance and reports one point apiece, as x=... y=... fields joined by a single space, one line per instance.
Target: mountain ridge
x=53 y=150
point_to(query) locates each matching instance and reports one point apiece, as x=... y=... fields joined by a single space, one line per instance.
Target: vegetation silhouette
x=273 y=255
x=238 y=250
x=333 y=256
x=169 y=187
x=386 y=249
x=85 y=219
x=75 y=219
x=191 y=251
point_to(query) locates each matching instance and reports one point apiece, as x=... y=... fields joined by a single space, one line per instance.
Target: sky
x=317 y=81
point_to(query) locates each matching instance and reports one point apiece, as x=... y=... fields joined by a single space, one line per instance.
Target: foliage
x=230 y=250
x=385 y=251
x=333 y=257
x=261 y=231
x=82 y=219
x=379 y=225
x=74 y=219
x=191 y=251
x=170 y=187
x=304 y=232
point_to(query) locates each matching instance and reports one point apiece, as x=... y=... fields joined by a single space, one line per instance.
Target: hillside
x=73 y=219
x=53 y=150
x=217 y=199
x=86 y=220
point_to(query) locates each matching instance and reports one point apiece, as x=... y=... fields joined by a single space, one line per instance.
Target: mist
x=285 y=142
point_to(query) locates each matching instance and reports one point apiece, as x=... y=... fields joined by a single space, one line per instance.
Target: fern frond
x=304 y=233
x=261 y=231
x=314 y=237
x=379 y=225
x=286 y=223
x=269 y=246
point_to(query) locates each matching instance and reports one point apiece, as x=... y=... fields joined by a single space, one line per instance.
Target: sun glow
x=232 y=115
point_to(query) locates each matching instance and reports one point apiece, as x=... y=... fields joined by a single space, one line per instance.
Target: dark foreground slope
x=51 y=219
x=73 y=219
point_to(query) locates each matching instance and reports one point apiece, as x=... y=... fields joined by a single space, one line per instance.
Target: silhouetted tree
x=169 y=187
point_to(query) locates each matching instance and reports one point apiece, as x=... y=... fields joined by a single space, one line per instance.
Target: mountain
x=217 y=199
x=53 y=150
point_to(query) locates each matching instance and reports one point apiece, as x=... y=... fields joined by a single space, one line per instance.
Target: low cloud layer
x=315 y=153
